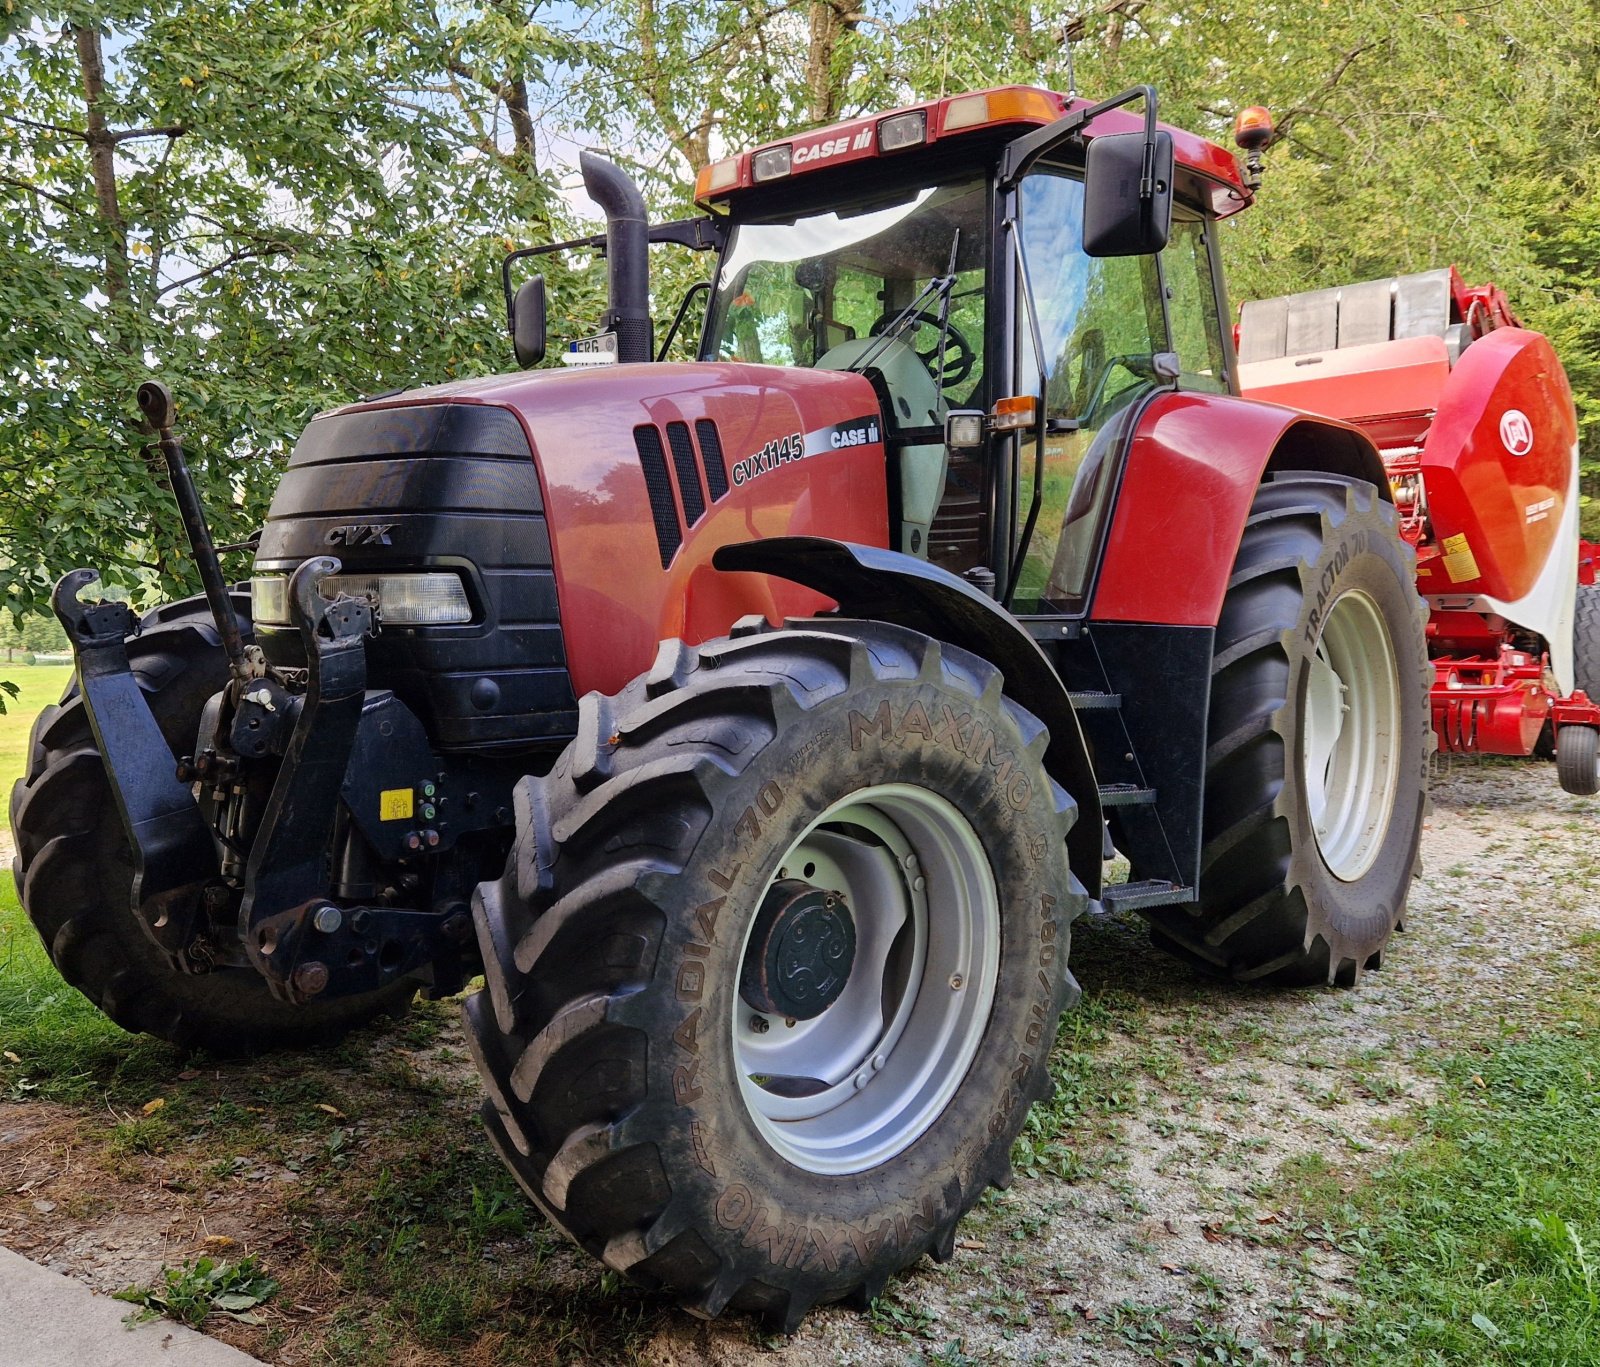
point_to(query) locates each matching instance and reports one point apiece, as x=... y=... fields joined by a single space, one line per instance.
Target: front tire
x=1317 y=742
x=776 y=964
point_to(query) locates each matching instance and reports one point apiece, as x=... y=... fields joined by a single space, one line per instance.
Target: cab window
x=1192 y=306
x=1100 y=324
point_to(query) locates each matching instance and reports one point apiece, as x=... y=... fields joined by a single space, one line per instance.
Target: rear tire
x=1578 y=759
x=74 y=871
x=617 y=1037
x=1317 y=742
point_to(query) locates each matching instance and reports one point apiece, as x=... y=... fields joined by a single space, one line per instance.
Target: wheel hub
x=800 y=952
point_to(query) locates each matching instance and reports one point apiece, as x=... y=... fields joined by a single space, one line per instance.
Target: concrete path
x=47 y=1320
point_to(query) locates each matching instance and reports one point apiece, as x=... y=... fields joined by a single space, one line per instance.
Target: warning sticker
x=1459 y=562
x=395 y=804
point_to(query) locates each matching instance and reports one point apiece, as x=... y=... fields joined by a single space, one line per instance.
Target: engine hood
x=644 y=470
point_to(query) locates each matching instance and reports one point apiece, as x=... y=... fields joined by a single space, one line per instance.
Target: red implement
x=1474 y=419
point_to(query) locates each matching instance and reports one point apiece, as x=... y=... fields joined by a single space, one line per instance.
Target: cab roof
x=1213 y=173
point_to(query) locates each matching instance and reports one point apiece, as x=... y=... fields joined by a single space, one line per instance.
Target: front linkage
x=309 y=834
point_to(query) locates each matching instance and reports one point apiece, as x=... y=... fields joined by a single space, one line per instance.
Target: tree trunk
x=514 y=95
x=103 y=162
x=831 y=20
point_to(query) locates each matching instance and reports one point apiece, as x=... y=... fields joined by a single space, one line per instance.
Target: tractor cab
x=921 y=250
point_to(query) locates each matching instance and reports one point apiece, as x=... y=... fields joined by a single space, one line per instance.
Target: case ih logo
x=1516 y=432
x=832 y=147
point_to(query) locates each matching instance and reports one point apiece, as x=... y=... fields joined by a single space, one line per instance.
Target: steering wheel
x=1139 y=364
x=959 y=354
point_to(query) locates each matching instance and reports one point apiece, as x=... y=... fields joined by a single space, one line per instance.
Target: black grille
x=653 y=461
x=694 y=502
x=711 y=453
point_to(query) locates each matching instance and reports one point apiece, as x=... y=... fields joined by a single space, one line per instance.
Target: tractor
x=1482 y=452
x=759 y=725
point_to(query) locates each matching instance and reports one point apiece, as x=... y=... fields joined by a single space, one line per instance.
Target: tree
x=275 y=205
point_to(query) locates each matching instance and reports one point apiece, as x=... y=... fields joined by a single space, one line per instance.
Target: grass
x=56 y=1045
x=1479 y=1241
x=1482 y=1238
x=37 y=687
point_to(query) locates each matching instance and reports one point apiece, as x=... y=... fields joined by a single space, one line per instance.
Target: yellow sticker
x=1459 y=562
x=394 y=804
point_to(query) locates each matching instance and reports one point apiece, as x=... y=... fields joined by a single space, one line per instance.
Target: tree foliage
x=280 y=206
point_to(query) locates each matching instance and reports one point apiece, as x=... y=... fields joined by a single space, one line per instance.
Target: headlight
x=403 y=600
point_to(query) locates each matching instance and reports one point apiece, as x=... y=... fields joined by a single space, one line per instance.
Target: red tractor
x=759 y=725
x=1481 y=446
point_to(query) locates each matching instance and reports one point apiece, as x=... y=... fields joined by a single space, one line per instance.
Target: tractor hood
x=611 y=485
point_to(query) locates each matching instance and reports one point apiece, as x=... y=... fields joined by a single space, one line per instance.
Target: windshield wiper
x=939 y=286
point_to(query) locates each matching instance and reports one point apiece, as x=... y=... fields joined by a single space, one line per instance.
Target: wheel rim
x=862 y=1080
x=1350 y=735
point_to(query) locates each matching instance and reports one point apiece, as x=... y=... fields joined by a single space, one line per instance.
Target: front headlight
x=403 y=600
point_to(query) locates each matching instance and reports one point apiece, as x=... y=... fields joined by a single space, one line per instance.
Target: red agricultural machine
x=758 y=725
x=1473 y=417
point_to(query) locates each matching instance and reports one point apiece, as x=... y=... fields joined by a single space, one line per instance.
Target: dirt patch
x=1163 y=1232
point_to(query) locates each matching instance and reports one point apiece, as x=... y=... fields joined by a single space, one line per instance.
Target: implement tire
x=1586 y=640
x=698 y=1105
x=1317 y=742
x=74 y=871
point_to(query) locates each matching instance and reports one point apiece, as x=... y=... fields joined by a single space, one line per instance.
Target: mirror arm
x=683 y=309
x=1018 y=156
x=698 y=234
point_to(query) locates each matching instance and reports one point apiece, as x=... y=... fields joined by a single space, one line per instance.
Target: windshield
x=801 y=292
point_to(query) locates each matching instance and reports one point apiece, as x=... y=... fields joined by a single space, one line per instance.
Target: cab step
x=1149 y=892
x=1126 y=795
x=1090 y=701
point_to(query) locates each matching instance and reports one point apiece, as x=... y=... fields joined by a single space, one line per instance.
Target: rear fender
x=888 y=586
x=1191 y=474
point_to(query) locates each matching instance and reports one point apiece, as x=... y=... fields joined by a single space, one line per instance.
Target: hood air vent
x=660 y=484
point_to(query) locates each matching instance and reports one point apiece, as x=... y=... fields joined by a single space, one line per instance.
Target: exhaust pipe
x=627 y=256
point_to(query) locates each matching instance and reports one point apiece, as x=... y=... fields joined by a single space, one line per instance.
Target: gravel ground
x=1167 y=1228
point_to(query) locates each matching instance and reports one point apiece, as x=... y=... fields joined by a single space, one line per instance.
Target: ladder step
x=1095 y=702
x=1126 y=795
x=1151 y=892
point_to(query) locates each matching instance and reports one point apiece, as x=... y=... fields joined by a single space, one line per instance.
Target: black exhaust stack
x=627 y=256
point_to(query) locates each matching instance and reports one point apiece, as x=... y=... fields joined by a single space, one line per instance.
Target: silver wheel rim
x=882 y=1062
x=1350 y=735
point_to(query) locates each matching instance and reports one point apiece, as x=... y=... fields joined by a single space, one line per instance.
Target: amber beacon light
x=1253 y=131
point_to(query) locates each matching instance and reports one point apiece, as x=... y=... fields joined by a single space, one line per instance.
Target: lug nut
x=760 y=1024
x=328 y=919
x=955 y=982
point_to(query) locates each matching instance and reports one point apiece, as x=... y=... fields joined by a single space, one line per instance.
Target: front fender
x=888 y=586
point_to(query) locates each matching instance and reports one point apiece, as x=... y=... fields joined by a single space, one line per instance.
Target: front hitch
x=170 y=841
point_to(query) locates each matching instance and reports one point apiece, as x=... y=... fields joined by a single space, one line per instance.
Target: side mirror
x=528 y=323
x=1121 y=216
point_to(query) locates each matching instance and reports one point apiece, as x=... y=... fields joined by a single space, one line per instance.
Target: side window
x=1100 y=322
x=1192 y=303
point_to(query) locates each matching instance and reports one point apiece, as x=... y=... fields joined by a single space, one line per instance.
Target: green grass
x=1480 y=1241
x=65 y=1050
x=37 y=687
